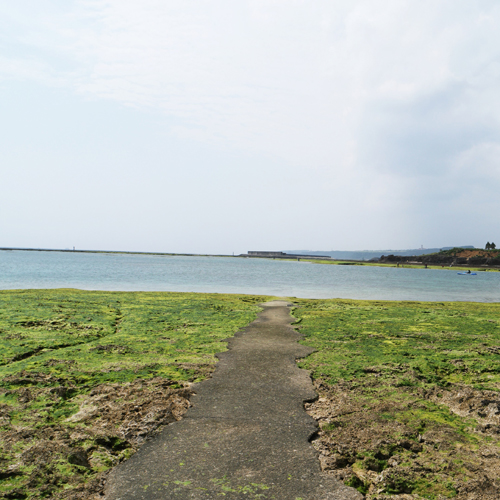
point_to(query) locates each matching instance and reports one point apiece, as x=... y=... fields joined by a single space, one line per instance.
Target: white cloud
x=480 y=160
x=377 y=98
x=285 y=77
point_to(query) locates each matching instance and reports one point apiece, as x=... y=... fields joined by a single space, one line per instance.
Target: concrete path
x=246 y=436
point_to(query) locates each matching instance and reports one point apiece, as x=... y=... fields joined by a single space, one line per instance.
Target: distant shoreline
x=313 y=259
x=407 y=265
x=167 y=254
x=114 y=251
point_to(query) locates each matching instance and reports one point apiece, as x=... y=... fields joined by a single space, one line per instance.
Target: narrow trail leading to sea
x=247 y=435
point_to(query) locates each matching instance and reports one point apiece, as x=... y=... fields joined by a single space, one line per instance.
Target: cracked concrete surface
x=247 y=435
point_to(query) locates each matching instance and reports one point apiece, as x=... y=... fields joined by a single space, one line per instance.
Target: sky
x=221 y=126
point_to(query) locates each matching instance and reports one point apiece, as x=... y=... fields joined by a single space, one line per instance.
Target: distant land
x=371 y=254
x=69 y=250
x=334 y=254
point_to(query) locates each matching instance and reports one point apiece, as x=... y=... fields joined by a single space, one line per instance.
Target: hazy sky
x=220 y=126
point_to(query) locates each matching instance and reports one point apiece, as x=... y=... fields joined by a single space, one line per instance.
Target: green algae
x=443 y=343
x=57 y=346
x=116 y=336
x=398 y=368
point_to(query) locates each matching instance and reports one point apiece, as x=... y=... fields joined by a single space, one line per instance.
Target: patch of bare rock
x=393 y=443
x=112 y=422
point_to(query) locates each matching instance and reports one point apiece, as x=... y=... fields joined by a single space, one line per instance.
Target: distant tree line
x=490 y=246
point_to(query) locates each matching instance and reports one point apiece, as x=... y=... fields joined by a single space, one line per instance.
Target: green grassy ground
x=57 y=346
x=405 y=370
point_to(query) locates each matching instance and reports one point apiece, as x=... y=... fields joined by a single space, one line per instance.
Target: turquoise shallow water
x=21 y=270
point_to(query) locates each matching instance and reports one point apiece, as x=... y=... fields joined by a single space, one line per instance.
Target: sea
x=283 y=278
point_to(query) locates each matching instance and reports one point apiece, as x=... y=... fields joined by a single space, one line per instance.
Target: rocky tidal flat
x=407 y=403
x=87 y=377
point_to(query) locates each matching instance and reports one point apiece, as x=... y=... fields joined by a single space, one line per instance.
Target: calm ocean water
x=87 y=271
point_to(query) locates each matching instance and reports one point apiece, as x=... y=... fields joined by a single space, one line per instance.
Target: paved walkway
x=246 y=437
